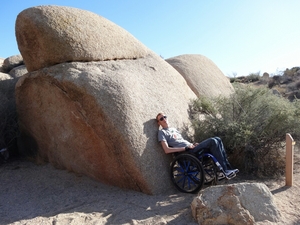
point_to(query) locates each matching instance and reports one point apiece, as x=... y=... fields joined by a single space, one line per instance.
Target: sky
x=240 y=36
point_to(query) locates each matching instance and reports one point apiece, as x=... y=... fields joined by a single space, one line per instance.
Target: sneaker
x=229 y=173
x=221 y=176
x=236 y=171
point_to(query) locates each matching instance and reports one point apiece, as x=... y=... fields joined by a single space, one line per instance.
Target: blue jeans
x=215 y=147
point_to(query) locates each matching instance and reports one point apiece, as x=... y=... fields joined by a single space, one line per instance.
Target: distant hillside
x=286 y=83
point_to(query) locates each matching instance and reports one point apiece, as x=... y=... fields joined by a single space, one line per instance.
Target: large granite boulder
x=202 y=75
x=48 y=35
x=97 y=118
x=244 y=203
x=11 y=62
x=18 y=71
x=5 y=76
x=91 y=95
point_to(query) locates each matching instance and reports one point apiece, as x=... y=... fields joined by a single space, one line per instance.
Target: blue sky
x=239 y=36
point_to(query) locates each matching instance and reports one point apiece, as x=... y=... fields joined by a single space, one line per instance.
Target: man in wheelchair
x=173 y=142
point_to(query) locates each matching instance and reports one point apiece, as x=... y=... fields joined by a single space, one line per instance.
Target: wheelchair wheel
x=210 y=170
x=187 y=173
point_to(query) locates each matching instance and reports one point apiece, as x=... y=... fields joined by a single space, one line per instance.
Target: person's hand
x=190 y=147
x=187 y=148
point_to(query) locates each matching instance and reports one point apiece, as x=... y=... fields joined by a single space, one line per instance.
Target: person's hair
x=161 y=113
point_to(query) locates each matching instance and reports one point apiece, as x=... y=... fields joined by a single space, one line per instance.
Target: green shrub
x=252 y=77
x=252 y=123
x=232 y=79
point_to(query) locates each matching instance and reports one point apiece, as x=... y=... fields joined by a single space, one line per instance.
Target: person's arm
x=168 y=149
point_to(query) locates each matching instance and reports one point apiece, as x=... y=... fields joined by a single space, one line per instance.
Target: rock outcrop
x=18 y=71
x=202 y=75
x=48 y=35
x=91 y=95
x=244 y=203
x=11 y=62
x=5 y=76
x=96 y=118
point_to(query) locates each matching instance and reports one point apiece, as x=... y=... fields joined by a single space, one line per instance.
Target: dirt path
x=32 y=194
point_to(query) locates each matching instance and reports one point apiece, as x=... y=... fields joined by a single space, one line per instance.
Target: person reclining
x=172 y=142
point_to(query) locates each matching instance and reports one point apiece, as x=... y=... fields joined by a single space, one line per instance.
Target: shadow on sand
x=29 y=191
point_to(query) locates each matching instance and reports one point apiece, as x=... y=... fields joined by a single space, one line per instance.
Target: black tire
x=210 y=171
x=187 y=173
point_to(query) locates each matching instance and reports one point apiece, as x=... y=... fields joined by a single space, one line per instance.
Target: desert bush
x=252 y=123
x=252 y=77
x=232 y=79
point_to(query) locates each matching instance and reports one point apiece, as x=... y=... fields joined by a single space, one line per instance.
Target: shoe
x=229 y=173
x=236 y=171
x=221 y=176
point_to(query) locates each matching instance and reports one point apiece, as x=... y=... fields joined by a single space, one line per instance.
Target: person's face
x=162 y=120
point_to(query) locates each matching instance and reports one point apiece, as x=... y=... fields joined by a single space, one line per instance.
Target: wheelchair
x=189 y=171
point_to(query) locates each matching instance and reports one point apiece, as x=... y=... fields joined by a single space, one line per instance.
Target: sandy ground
x=40 y=194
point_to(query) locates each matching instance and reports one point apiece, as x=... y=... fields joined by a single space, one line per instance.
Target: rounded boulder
x=202 y=75
x=49 y=35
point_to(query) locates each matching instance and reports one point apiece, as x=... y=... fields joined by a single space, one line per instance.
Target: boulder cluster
x=12 y=67
x=87 y=93
x=285 y=84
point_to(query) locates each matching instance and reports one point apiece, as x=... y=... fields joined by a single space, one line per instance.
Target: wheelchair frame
x=189 y=172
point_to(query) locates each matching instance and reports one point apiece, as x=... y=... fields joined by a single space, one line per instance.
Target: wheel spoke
x=187 y=173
